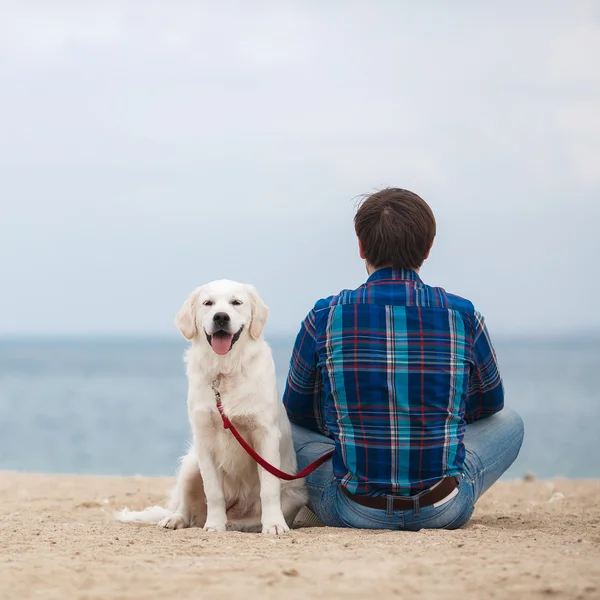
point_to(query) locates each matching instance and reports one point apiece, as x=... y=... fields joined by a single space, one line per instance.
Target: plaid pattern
x=392 y=372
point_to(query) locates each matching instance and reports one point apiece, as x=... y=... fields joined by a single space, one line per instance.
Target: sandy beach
x=59 y=541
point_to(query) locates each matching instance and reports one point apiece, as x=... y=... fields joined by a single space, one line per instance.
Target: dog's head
x=222 y=312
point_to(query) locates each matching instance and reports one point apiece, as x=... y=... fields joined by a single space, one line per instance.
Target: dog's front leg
x=216 y=516
x=267 y=445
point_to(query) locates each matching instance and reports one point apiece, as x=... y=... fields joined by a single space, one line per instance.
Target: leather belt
x=434 y=494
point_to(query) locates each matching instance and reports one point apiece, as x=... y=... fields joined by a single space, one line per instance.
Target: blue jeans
x=491 y=444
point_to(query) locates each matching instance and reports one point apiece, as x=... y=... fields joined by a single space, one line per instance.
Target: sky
x=149 y=147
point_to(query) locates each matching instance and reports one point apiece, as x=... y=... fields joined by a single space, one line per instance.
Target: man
x=400 y=380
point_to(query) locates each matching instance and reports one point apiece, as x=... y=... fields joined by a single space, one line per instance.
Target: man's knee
x=508 y=429
x=501 y=433
x=513 y=423
x=311 y=441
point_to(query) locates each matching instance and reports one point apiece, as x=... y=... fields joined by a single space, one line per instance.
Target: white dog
x=218 y=485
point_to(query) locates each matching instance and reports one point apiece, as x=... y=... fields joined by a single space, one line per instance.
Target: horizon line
x=278 y=336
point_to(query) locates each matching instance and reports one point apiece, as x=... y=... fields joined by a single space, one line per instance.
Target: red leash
x=259 y=459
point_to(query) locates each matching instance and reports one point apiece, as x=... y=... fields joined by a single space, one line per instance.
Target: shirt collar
x=390 y=273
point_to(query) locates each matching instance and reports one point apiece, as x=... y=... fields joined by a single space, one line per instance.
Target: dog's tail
x=151 y=515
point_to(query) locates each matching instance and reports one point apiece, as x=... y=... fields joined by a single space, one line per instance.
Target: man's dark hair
x=396 y=228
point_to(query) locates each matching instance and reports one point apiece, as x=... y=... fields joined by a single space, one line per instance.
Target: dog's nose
x=221 y=318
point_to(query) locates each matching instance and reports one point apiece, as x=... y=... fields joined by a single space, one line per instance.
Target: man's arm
x=485 y=395
x=303 y=390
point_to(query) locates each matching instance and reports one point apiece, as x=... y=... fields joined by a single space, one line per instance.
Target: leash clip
x=226 y=422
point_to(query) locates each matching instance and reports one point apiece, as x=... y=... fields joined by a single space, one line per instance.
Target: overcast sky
x=148 y=147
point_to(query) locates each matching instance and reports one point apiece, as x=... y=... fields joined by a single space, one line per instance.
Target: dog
x=219 y=486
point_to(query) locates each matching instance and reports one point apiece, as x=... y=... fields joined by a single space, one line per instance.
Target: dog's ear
x=260 y=313
x=186 y=317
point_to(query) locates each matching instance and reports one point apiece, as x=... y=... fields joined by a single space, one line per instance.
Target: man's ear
x=186 y=317
x=260 y=313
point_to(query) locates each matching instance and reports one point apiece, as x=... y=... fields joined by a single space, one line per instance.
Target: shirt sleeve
x=303 y=391
x=485 y=395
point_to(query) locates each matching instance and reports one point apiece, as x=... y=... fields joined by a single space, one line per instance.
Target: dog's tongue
x=221 y=342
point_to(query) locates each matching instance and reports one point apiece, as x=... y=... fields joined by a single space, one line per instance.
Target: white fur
x=218 y=485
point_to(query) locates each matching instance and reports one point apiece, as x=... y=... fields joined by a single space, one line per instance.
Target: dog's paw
x=275 y=528
x=174 y=522
x=215 y=527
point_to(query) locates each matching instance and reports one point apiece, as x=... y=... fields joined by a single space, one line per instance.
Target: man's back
x=400 y=380
x=393 y=371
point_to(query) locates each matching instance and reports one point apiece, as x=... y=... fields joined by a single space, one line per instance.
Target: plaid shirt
x=392 y=372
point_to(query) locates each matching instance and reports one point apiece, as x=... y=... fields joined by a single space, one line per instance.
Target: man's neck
x=371 y=269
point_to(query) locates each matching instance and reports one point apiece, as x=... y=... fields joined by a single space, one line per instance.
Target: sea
x=118 y=406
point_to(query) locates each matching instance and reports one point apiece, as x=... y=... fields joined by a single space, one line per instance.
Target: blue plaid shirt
x=392 y=372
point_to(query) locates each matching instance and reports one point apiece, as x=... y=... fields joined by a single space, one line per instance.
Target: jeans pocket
x=451 y=515
x=357 y=516
x=340 y=511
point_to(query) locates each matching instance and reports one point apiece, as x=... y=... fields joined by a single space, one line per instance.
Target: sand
x=58 y=540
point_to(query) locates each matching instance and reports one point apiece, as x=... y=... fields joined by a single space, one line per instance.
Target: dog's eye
x=208 y=303
x=236 y=302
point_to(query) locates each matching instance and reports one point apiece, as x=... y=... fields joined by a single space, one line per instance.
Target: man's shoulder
x=345 y=296
x=326 y=303
x=454 y=301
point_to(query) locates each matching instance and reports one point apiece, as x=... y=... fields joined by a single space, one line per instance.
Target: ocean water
x=119 y=406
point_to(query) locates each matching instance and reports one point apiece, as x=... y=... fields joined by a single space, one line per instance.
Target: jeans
x=492 y=445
